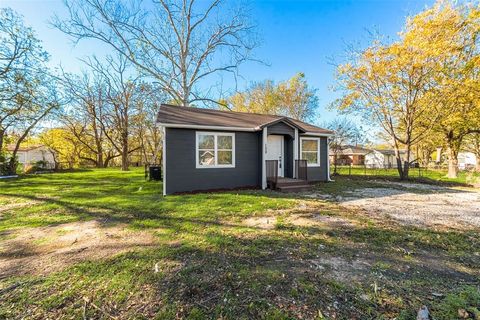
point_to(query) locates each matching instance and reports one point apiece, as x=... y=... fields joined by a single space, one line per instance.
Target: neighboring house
x=349 y=155
x=32 y=154
x=208 y=149
x=382 y=159
x=466 y=160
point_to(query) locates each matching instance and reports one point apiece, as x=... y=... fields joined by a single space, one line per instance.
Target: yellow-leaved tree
x=293 y=98
x=388 y=85
x=426 y=81
x=63 y=146
x=449 y=34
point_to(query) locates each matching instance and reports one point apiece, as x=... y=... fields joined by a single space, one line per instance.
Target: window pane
x=206 y=158
x=206 y=141
x=225 y=157
x=309 y=145
x=311 y=157
x=224 y=142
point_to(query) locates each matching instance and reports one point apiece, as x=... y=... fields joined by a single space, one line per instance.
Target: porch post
x=264 y=151
x=295 y=151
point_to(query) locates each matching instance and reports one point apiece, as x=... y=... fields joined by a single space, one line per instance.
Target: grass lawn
x=416 y=174
x=230 y=255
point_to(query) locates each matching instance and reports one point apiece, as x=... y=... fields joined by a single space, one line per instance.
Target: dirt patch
x=16 y=205
x=39 y=251
x=342 y=269
x=306 y=220
x=266 y=223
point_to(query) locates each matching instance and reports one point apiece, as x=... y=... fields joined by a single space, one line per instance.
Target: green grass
x=212 y=265
x=416 y=174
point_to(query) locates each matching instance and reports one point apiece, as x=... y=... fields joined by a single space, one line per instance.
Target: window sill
x=215 y=167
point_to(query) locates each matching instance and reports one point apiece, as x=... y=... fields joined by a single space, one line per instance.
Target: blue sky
x=298 y=36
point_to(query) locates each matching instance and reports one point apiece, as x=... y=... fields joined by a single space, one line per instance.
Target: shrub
x=5 y=166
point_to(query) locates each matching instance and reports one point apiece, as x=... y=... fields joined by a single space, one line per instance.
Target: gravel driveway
x=419 y=205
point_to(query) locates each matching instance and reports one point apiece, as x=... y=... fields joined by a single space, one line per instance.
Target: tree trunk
x=402 y=172
x=452 y=163
x=477 y=165
x=406 y=163
x=2 y=137
x=125 y=156
x=334 y=164
x=99 y=162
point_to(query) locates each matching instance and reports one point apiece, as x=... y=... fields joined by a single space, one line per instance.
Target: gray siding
x=281 y=128
x=183 y=176
x=319 y=173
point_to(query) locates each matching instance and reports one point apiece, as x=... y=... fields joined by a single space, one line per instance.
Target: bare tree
x=27 y=94
x=346 y=132
x=121 y=90
x=87 y=100
x=176 y=43
x=22 y=59
x=143 y=123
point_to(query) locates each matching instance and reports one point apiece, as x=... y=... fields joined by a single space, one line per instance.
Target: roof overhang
x=220 y=128
x=200 y=127
x=317 y=134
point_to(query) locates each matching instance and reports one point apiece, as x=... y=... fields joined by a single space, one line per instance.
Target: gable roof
x=189 y=117
x=388 y=152
x=353 y=150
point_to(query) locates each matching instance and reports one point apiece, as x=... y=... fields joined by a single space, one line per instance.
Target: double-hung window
x=310 y=151
x=215 y=150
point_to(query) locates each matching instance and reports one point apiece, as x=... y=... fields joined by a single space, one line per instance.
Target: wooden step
x=287 y=182
x=294 y=188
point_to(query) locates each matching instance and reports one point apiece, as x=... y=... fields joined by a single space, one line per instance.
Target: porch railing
x=301 y=169
x=272 y=173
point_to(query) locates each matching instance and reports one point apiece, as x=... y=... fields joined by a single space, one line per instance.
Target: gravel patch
x=430 y=206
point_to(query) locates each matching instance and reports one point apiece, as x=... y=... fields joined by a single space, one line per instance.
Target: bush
x=30 y=168
x=37 y=166
x=5 y=166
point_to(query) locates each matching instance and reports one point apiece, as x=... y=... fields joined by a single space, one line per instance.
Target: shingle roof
x=185 y=116
x=348 y=149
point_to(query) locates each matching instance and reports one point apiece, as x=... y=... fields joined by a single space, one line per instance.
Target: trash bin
x=155 y=173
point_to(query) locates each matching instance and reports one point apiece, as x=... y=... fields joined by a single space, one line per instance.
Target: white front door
x=275 y=151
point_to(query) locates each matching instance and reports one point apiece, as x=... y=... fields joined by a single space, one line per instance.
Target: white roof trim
x=189 y=126
x=315 y=134
x=200 y=127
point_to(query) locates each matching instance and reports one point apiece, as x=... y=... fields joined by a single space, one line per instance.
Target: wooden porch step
x=294 y=188
x=287 y=182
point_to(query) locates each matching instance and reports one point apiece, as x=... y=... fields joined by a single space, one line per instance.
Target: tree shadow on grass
x=219 y=270
x=209 y=264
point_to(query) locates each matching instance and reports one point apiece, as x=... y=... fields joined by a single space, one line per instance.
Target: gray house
x=206 y=149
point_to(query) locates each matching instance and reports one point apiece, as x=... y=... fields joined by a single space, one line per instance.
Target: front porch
x=286 y=184
x=291 y=157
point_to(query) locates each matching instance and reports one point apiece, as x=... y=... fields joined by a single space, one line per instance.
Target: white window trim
x=216 y=165
x=318 y=151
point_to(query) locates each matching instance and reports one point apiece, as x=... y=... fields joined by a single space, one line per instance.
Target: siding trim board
x=164 y=161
